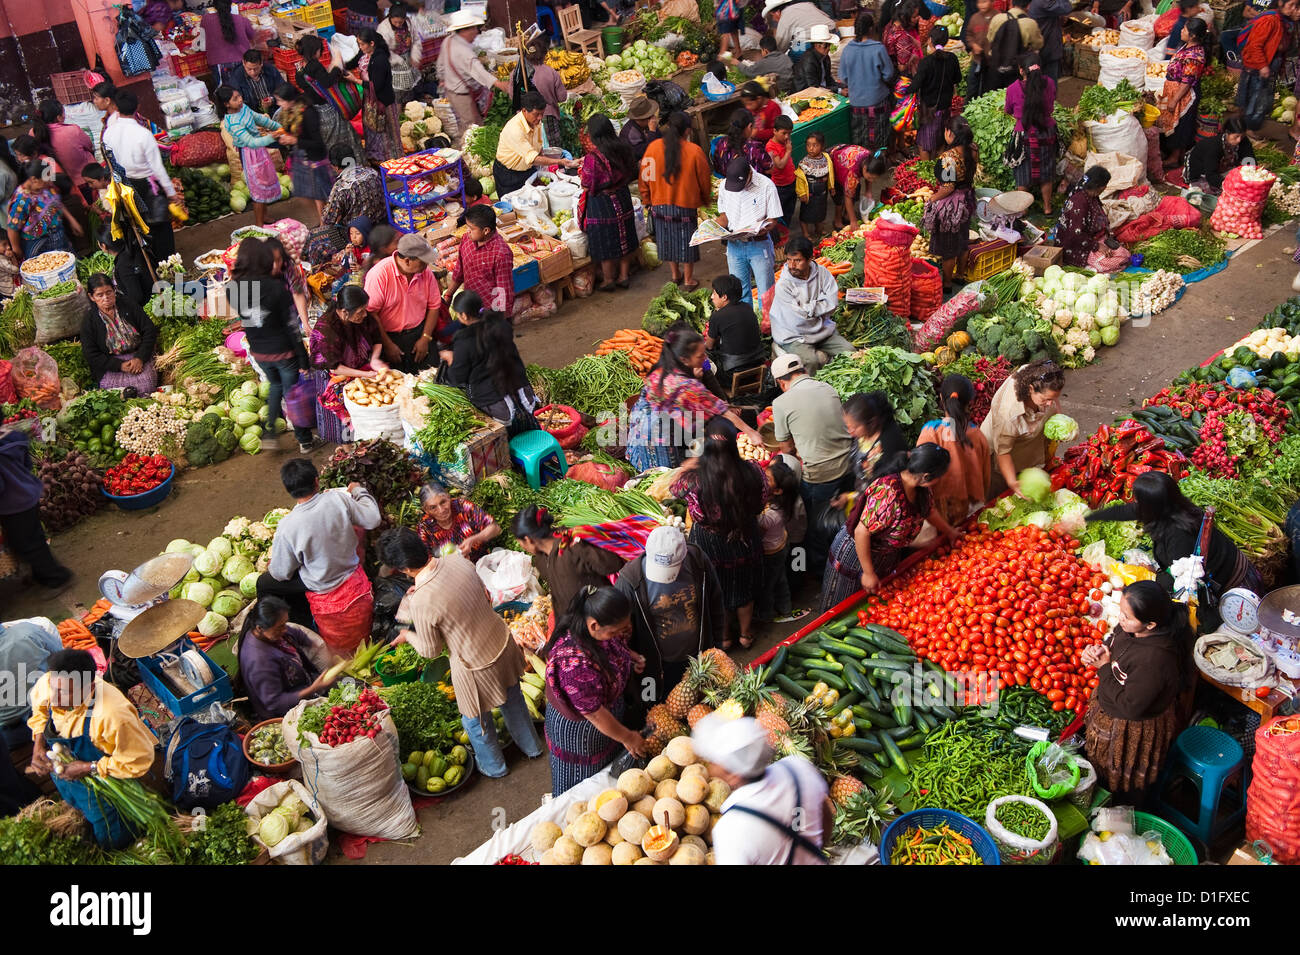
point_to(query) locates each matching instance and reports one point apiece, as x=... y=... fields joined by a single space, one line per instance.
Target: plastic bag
x=1016 y=849
x=1273 y=800
x=300 y=402
x=308 y=847
x=1114 y=69
x=528 y=199
x=944 y=320
x=506 y=574
x=36 y=376
x=601 y=475
x=1051 y=764
x=1118 y=133
x=584 y=281
x=8 y=394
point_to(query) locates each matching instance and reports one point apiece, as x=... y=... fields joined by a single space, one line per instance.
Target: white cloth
x=747 y=210
x=458 y=64
x=136 y=152
x=742 y=839
x=801 y=308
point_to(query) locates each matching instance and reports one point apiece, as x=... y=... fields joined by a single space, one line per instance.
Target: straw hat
x=821 y=33
x=1011 y=203
x=460 y=20
x=159 y=627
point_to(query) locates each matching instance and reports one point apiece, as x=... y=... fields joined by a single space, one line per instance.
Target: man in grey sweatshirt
x=805 y=297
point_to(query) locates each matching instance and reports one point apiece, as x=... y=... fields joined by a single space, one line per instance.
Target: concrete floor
x=1210 y=316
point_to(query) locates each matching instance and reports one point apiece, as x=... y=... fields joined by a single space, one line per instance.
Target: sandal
x=691 y=287
x=746 y=643
x=624 y=283
x=727 y=645
x=608 y=287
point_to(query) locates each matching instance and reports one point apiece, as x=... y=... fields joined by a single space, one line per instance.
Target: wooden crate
x=555 y=265
x=484 y=453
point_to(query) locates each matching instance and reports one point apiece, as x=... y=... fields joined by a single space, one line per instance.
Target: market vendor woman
x=565 y=566
x=345 y=344
x=1014 y=425
x=118 y=339
x=1083 y=227
x=459 y=524
x=279 y=664
x=75 y=711
x=1142 y=668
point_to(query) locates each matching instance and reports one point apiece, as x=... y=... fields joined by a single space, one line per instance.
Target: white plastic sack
x=1016 y=849
x=506 y=574
x=1125 y=171
x=344 y=48
x=527 y=199
x=1114 y=69
x=369 y=422
x=1139 y=33
x=308 y=847
x=359 y=784
x=1118 y=133
x=542 y=223
x=489 y=41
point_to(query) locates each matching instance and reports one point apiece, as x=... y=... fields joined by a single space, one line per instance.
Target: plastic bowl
x=929 y=818
x=392 y=679
x=271 y=769
x=237 y=342
x=138 y=502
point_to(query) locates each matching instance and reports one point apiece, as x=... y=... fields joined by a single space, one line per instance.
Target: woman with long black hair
x=564 y=564
x=675 y=183
x=607 y=216
x=37 y=216
x=226 y=36
x=1143 y=667
x=724 y=496
x=741 y=141
x=885 y=519
x=948 y=211
x=380 y=110
x=679 y=397
x=309 y=165
x=484 y=362
x=1174 y=524
x=118 y=339
x=10 y=176
x=1083 y=228
x=279 y=663
x=1030 y=100
x=965 y=486
x=1182 y=91
x=68 y=143
x=588 y=664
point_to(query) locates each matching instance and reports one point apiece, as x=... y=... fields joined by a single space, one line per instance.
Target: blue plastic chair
x=546 y=22
x=539 y=456
x=1209 y=759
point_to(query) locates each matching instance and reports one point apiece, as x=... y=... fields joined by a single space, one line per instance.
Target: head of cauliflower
x=236 y=528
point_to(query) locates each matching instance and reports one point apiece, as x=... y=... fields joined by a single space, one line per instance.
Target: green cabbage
x=178 y=545
x=274 y=516
x=220 y=546
x=200 y=593
x=248 y=584
x=1061 y=427
x=216 y=583
x=1035 y=484
x=213 y=624
x=249 y=387
x=227 y=603
x=273 y=828
x=237 y=568
x=1110 y=335
x=191 y=575
x=208 y=564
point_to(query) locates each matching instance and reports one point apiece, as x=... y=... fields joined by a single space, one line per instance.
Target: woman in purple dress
x=118 y=339
x=344 y=344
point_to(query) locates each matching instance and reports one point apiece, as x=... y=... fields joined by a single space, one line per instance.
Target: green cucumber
x=912 y=742
x=816 y=663
x=923 y=722
x=903 y=713
x=790 y=686
x=877 y=718
x=806 y=648
x=778 y=661
x=869 y=768
x=889 y=663
x=863 y=725
x=895 y=754
x=863 y=744
x=886 y=636
x=898 y=732
x=830 y=679
x=859 y=642
x=848 y=699
x=837 y=628
x=882 y=757
x=858 y=682
x=839 y=647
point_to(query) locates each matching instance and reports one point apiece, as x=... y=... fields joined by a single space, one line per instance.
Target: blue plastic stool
x=1209 y=759
x=537 y=453
x=547 y=23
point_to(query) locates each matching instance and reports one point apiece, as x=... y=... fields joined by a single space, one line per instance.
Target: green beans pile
x=1023 y=819
x=965 y=765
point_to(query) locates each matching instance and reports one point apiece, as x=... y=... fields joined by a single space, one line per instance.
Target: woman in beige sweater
x=450 y=610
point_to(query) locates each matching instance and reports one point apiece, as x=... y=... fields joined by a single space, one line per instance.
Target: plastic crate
x=527 y=276
x=216 y=692
x=988 y=258
x=981 y=841
x=70 y=87
x=341 y=19
x=190 y=64
x=319 y=14
x=1176 y=844
x=286 y=60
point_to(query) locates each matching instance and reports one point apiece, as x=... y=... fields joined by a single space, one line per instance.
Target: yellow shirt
x=520 y=144
x=115 y=727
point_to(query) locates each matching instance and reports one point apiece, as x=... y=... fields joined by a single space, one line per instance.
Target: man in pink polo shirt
x=406 y=301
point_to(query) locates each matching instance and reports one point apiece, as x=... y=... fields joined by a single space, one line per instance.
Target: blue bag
x=205 y=764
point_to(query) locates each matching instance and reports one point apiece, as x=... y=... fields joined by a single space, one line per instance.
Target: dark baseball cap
x=737 y=174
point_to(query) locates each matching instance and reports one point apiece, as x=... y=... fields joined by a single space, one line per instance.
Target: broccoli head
x=226 y=439
x=1013 y=349
x=211 y=421
x=1032 y=341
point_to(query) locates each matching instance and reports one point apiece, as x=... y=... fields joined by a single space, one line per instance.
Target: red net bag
x=8 y=394
x=1241 y=205
x=943 y=321
x=563 y=423
x=601 y=475
x=199 y=149
x=1273 y=800
x=890 y=266
x=927 y=289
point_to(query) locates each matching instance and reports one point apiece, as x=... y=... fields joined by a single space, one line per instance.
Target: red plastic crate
x=286 y=61
x=70 y=87
x=341 y=19
x=190 y=64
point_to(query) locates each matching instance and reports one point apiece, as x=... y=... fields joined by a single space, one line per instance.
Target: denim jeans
x=816 y=497
x=281 y=375
x=1254 y=97
x=756 y=257
x=483 y=734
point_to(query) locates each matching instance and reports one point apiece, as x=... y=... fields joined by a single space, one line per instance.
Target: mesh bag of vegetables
x=1024 y=830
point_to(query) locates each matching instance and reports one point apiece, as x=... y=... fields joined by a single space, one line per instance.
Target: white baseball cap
x=665 y=549
x=739 y=746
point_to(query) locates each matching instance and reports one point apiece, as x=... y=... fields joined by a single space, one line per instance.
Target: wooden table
x=1266 y=707
x=700 y=114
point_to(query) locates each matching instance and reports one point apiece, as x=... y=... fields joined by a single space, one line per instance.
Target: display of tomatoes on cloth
x=136 y=474
x=1014 y=602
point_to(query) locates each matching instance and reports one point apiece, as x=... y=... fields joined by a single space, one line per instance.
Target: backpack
x=205 y=764
x=1007 y=46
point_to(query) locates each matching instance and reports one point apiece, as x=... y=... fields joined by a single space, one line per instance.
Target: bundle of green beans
x=1023 y=819
x=965 y=765
x=595 y=385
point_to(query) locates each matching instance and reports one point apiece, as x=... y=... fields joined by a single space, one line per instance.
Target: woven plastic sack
x=1114 y=69
x=199 y=149
x=308 y=847
x=1060 y=767
x=36 y=376
x=927 y=290
x=370 y=422
x=61 y=316
x=1273 y=800
x=1016 y=849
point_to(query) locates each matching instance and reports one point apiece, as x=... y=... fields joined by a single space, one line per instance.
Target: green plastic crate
x=834 y=126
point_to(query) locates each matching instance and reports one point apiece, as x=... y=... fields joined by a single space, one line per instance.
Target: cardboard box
x=1244 y=856
x=289 y=30
x=1040 y=257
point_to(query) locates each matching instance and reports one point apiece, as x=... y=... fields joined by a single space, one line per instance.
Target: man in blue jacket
x=20 y=515
x=1047 y=14
x=257 y=82
x=868 y=72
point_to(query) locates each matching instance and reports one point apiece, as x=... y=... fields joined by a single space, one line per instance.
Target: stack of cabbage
x=1039 y=506
x=223 y=579
x=1085 y=310
x=236 y=422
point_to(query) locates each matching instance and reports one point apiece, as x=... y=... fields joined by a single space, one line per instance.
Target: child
x=473 y=197
x=484 y=262
x=94 y=183
x=782 y=174
x=965 y=485
x=856 y=171
x=728 y=20
x=814 y=182
x=241 y=123
x=350 y=259
x=715 y=80
x=774 y=598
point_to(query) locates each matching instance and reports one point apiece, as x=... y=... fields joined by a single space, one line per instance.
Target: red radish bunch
x=360 y=720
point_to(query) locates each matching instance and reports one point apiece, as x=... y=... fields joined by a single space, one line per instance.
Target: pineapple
x=697 y=713
x=701 y=674
x=663 y=725
x=681 y=698
x=843 y=788
x=726 y=666
x=724 y=704
x=774 y=725
x=863 y=816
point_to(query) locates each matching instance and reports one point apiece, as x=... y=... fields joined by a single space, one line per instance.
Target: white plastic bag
x=308 y=847
x=528 y=199
x=506 y=574
x=359 y=784
x=1017 y=849
x=371 y=422
x=542 y=223
x=1113 y=69
x=344 y=48
x=1140 y=33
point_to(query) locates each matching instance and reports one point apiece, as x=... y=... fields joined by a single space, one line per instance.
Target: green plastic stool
x=533 y=451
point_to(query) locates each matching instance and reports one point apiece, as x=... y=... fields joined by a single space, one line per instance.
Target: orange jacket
x=1266 y=36
x=691 y=188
